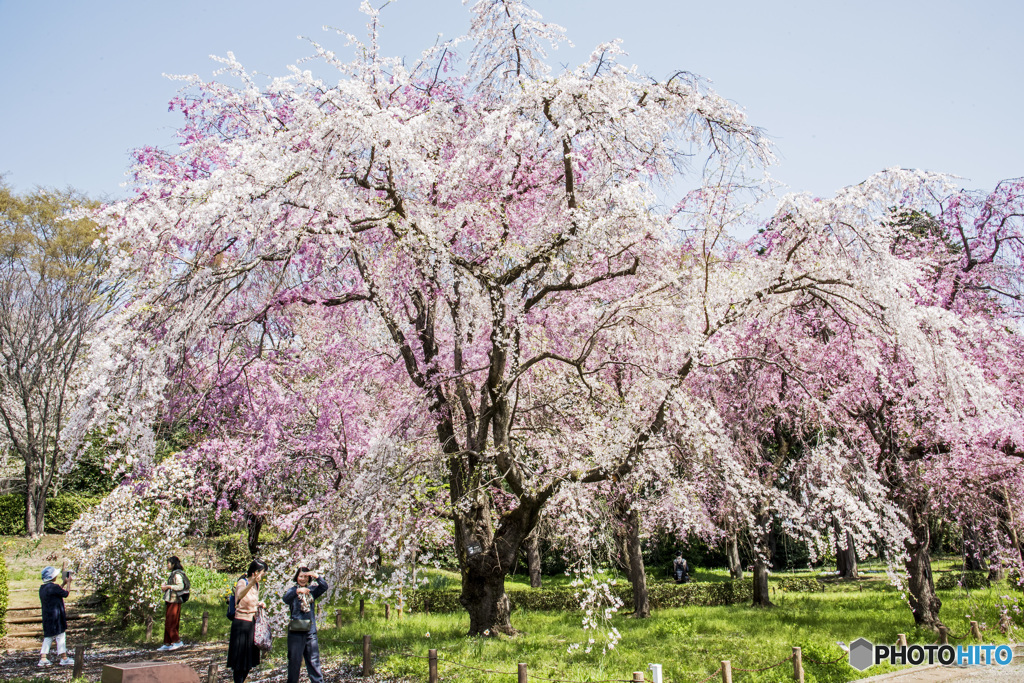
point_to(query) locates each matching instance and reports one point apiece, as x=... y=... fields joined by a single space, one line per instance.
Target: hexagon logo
x=862 y=654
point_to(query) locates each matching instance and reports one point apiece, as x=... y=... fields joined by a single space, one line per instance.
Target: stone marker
x=149 y=672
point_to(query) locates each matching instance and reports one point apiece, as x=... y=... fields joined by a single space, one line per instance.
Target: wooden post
x=204 y=629
x=798 y=665
x=387 y=611
x=432 y=665
x=149 y=628
x=367 y=659
x=337 y=619
x=362 y=608
x=976 y=631
x=901 y=639
x=522 y=672
x=943 y=635
x=638 y=677
x=79 y=661
x=211 y=673
x=726 y=671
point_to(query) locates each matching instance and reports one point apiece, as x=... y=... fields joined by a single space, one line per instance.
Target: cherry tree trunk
x=533 y=558
x=35 y=500
x=637 y=575
x=732 y=552
x=1019 y=544
x=974 y=560
x=253 y=525
x=761 y=596
x=923 y=600
x=762 y=561
x=483 y=596
x=1008 y=521
x=485 y=559
x=846 y=558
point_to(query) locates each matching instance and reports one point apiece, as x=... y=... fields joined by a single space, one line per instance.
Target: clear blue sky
x=844 y=88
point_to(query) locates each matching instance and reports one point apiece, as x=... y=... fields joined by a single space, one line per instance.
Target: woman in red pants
x=173 y=589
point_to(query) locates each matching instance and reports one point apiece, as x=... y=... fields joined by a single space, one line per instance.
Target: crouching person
x=302 y=641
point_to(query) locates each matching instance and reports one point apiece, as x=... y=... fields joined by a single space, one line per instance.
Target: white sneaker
x=44 y=662
x=164 y=647
x=175 y=646
x=67 y=661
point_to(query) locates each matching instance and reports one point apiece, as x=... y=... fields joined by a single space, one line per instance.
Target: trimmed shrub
x=61 y=513
x=665 y=595
x=3 y=596
x=799 y=584
x=12 y=515
x=661 y=596
x=967 y=580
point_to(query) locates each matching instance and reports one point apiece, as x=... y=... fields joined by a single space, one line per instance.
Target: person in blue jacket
x=55 y=619
x=302 y=640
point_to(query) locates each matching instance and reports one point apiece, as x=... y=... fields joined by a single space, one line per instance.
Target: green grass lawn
x=688 y=642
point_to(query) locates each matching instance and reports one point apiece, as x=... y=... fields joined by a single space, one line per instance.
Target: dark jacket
x=291 y=598
x=55 y=619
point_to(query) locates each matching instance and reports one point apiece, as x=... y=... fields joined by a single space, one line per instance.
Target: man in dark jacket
x=302 y=640
x=55 y=620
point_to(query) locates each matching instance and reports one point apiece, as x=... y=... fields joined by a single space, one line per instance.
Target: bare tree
x=52 y=294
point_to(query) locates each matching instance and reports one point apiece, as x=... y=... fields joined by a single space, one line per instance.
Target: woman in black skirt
x=243 y=655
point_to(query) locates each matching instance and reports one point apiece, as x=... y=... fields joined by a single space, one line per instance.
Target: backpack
x=231 y=597
x=185 y=593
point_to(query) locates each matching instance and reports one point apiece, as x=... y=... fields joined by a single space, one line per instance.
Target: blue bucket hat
x=49 y=574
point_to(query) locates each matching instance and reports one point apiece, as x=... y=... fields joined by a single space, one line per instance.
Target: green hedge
x=661 y=596
x=799 y=584
x=968 y=580
x=61 y=513
x=12 y=515
x=3 y=597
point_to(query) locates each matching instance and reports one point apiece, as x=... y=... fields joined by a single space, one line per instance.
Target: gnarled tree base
x=923 y=600
x=487 y=604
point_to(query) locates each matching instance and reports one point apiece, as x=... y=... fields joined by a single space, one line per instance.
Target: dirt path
x=22 y=663
x=19 y=650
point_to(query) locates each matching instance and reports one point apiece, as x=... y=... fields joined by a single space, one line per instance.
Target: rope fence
x=765 y=668
x=713 y=674
x=523 y=676
x=829 y=662
x=725 y=671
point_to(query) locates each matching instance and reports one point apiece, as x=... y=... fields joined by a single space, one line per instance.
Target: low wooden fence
x=522 y=674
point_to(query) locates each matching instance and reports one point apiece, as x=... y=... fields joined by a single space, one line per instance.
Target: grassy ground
x=688 y=642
